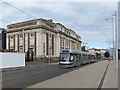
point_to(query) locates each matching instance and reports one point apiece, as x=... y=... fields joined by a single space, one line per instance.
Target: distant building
x=45 y=37
x=94 y=50
x=2 y=39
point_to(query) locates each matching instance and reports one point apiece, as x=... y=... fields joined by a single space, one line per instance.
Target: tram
x=72 y=58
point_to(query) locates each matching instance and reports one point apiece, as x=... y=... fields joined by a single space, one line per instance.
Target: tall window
x=69 y=33
x=66 y=43
x=43 y=48
x=31 y=35
x=21 y=36
x=11 y=37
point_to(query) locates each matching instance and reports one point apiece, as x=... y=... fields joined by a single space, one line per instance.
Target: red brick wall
x=28 y=40
x=14 y=43
x=47 y=44
x=18 y=43
x=8 y=42
x=22 y=25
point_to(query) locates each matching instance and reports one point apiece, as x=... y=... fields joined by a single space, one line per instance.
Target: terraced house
x=45 y=37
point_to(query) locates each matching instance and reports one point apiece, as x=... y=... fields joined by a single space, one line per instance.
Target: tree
x=118 y=50
x=83 y=48
x=98 y=55
x=107 y=54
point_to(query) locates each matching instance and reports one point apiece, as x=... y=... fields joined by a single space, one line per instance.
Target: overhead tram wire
x=20 y=10
x=24 y=13
x=4 y=21
x=14 y=16
x=1 y=20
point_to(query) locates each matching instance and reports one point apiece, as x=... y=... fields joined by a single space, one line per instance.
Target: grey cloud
x=87 y=19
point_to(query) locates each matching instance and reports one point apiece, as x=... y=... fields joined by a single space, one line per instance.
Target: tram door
x=84 y=59
x=80 y=59
x=76 y=59
x=89 y=58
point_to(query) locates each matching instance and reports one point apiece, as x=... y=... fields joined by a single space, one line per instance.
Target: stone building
x=45 y=37
x=94 y=50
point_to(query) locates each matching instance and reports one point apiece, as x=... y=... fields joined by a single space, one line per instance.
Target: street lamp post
x=84 y=45
x=116 y=39
x=23 y=40
x=49 y=51
x=113 y=40
x=113 y=37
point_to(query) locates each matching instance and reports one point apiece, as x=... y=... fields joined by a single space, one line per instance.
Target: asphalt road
x=29 y=76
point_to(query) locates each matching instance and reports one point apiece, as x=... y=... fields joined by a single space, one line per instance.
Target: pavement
x=90 y=76
x=111 y=78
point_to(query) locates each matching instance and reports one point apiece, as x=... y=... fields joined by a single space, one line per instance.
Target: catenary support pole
x=23 y=40
x=113 y=40
x=116 y=39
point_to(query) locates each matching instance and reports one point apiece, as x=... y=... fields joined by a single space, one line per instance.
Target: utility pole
x=113 y=40
x=49 y=49
x=84 y=45
x=116 y=39
x=113 y=37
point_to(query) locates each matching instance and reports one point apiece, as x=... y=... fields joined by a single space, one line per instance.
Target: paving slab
x=111 y=78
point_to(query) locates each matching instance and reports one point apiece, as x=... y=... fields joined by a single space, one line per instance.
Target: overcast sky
x=87 y=19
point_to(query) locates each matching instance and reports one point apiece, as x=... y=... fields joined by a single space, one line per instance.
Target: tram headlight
x=71 y=58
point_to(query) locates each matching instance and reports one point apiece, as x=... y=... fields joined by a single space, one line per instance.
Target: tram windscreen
x=64 y=56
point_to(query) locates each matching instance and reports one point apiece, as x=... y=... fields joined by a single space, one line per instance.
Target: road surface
x=30 y=76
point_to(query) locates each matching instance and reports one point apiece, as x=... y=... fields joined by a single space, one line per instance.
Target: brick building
x=45 y=37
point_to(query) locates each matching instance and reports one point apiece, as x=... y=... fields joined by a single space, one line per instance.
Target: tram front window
x=65 y=57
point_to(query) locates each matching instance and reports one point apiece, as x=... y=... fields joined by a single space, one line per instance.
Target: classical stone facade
x=44 y=36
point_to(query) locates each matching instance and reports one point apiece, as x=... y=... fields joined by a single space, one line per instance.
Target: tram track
x=103 y=78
